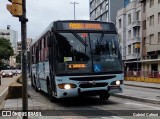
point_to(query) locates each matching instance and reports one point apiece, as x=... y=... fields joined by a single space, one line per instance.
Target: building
x=150 y=35
x=128 y=23
x=105 y=10
x=19 y=45
x=13 y=37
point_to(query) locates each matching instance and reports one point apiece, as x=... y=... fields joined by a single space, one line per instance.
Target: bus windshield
x=87 y=53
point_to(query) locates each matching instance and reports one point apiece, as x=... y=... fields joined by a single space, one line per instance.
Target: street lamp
x=74 y=3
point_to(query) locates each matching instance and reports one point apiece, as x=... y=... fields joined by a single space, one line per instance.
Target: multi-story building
x=13 y=37
x=19 y=45
x=150 y=35
x=105 y=10
x=128 y=23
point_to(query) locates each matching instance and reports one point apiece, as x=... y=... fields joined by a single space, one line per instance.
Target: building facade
x=128 y=23
x=13 y=37
x=19 y=45
x=105 y=10
x=150 y=35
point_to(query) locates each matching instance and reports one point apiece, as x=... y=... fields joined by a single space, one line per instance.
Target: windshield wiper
x=79 y=38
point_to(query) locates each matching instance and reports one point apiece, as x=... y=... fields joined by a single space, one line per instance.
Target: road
x=94 y=108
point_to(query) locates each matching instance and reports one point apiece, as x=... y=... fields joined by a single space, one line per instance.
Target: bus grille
x=90 y=85
x=92 y=78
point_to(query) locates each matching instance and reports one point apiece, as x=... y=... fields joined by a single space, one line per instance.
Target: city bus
x=77 y=58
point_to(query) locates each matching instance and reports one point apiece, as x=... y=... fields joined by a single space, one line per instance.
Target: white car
x=7 y=73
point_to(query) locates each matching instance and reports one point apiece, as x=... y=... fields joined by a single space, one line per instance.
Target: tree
x=6 y=49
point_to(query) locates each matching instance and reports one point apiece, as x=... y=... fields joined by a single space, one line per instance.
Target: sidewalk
x=142 y=84
x=150 y=95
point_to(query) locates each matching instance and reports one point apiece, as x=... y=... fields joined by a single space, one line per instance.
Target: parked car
x=7 y=73
x=14 y=72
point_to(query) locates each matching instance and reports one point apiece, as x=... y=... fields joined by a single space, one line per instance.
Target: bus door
x=51 y=40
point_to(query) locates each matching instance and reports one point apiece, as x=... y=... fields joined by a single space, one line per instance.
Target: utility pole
x=74 y=3
x=18 y=9
x=23 y=20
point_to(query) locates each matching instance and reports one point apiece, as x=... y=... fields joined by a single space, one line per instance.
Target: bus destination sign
x=87 y=26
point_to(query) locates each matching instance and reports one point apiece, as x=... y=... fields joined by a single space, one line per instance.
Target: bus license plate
x=114 y=87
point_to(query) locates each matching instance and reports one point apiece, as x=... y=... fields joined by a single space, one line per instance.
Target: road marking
x=111 y=117
x=130 y=103
x=115 y=117
x=4 y=91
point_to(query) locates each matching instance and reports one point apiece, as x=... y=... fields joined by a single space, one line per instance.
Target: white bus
x=77 y=58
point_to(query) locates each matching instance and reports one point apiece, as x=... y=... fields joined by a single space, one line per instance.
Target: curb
x=142 y=86
x=6 y=90
x=138 y=99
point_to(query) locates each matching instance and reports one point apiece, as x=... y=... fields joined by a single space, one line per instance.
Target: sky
x=41 y=13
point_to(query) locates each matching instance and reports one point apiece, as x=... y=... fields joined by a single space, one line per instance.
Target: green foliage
x=6 y=49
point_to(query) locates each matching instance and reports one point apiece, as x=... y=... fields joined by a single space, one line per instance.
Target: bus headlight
x=67 y=86
x=3 y=73
x=118 y=82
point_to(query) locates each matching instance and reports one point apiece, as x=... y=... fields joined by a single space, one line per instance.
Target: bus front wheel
x=50 y=96
x=104 y=96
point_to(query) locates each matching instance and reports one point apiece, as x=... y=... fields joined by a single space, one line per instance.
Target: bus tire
x=32 y=82
x=49 y=89
x=104 y=96
x=35 y=86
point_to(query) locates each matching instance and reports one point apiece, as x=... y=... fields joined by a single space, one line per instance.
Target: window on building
x=104 y=17
x=129 y=49
x=159 y=18
x=120 y=23
x=151 y=38
x=158 y=37
x=144 y=7
x=158 y=1
x=138 y=15
x=129 y=34
x=144 y=25
x=129 y=18
x=151 y=20
x=151 y=3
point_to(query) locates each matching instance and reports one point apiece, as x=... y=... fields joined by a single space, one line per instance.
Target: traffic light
x=16 y=8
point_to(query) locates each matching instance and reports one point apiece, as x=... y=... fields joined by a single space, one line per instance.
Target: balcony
x=136 y=39
x=136 y=23
x=133 y=56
